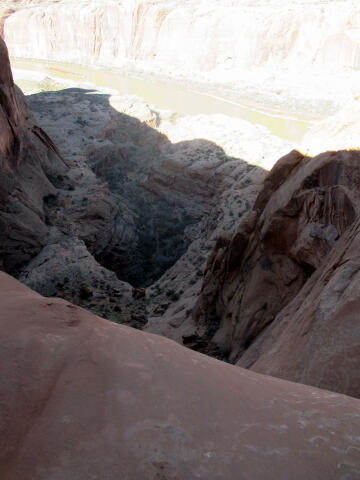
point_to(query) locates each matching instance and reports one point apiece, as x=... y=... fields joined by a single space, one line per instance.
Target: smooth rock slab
x=83 y=398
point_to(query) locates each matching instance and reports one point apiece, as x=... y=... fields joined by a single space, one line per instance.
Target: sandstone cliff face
x=269 y=298
x=83 y=397
x=38 y=185
x=42 y=199
x=30 y=169
x=12 y=120
x=262 y=51
x=239 y=35
x=315 y=338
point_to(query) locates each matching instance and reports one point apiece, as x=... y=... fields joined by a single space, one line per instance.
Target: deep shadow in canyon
x=163 y=195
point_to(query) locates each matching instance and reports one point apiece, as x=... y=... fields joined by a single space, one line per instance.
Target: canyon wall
x=43 y=196
x=121 y=196
x=30 y=169
x=33 y=173
x=280 y=297
x=189 y=37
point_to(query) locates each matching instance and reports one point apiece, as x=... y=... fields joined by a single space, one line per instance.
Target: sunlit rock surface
x=336 y=132
x=85 y=398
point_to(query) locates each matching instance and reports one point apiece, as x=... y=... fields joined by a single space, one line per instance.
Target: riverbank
x=300 y=59
x=180 y=98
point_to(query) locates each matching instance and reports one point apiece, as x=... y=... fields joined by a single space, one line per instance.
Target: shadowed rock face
x=30 y=168
x=127 y=197
x=12 y=120
x=164 y=192
x=279 y=297
x=36 y=187
x=84 y=398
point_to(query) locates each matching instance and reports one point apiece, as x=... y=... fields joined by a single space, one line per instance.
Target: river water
x=165 y=95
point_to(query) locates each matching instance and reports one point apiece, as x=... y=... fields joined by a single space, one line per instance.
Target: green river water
x=165 y=95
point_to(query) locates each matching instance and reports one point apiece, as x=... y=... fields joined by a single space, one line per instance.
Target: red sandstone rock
x=250 y=302
x=29 y=165
x=84 y=398
x=11 y=118
x=36 y=185
x=316 y=338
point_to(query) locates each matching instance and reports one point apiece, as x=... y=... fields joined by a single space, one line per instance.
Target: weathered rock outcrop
x=279 y=296
x=53 y=216
x=169 y=188
x=37 y=183
x=31 y=168
x=315 y=339
x=65 y=268
x=82 y=397
x=130 y=198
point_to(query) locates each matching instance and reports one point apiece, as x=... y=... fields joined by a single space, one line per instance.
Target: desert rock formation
x=81 y=396
x=132 y=201
x=126 y=30
x=42 y=197
x=175 y=192
x=31 y=169
x=280 y=297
